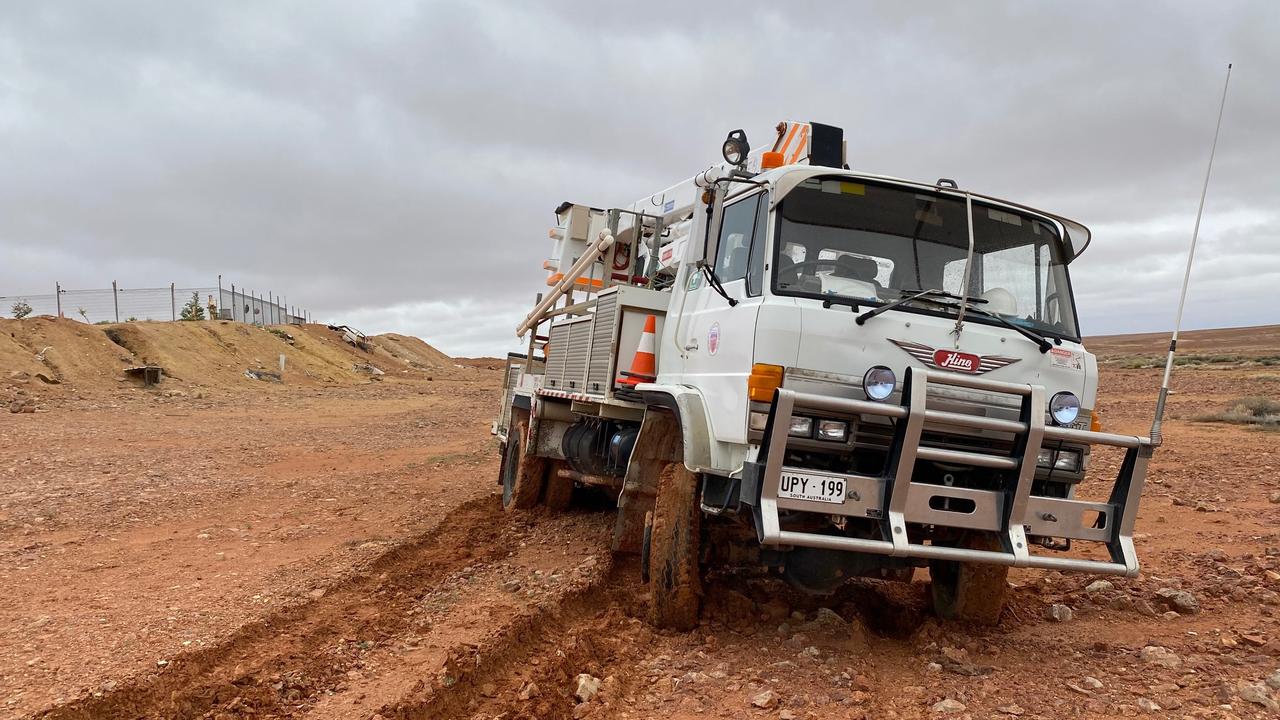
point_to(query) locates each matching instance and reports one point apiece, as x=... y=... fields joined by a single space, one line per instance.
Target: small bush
x=192 y=310
x=21 y=309
x=1261 y=411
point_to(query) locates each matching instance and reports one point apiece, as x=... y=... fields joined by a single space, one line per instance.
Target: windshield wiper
x=1028 y=333
x=931 y=296
x=920 y=295
x=945 y=294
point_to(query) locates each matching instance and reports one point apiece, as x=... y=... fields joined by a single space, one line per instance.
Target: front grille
x=878 y=436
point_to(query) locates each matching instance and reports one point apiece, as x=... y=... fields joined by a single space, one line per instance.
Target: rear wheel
x=971 y=592
x=674 y=550
x=522 y=474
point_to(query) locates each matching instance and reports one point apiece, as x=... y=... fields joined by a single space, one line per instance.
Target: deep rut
x=271 y=667
x=592 y=629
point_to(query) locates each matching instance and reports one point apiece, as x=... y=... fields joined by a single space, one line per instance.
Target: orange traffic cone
x=644 y=366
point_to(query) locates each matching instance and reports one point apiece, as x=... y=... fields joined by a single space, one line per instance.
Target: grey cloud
x=381 y=160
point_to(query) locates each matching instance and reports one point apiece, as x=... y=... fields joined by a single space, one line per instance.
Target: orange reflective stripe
x=800 y=146
x=557 y=277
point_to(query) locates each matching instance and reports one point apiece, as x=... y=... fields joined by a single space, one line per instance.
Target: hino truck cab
x=854 y=375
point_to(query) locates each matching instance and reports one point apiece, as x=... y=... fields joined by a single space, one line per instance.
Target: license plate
x=814 y=488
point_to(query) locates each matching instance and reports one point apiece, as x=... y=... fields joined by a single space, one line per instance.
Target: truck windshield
x=875 y=243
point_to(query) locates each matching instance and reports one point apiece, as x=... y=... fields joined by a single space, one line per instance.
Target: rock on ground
x=1180 y=601
x=588 y=687
x=1058 y=612
x=1162 y=656
x=948 y=706
x=765 y=700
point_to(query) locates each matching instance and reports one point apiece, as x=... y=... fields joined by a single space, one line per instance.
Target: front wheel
x=970 y=592
x=522 y=474
x=674 y=550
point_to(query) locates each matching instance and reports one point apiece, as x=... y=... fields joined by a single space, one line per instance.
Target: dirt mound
x=204 y=353
x=72 y=352
x=410 y=351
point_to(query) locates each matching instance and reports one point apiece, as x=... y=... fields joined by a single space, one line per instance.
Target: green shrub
x=1261 y=411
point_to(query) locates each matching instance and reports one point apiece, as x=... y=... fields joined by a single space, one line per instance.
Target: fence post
x=58 y=294
x=115 y=299
x=173 y=303
x=219 y=295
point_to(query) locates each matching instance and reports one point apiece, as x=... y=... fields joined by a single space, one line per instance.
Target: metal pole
x=219 y=294
x=173 y=303
x=1156 y=437
x=115 y=299
x=58 y=295
x=233 y=301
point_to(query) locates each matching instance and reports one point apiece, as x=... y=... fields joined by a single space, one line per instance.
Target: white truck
x=848 y=375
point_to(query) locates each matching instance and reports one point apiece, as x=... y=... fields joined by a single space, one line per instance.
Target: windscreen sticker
x=1064 y=358
x=844 y=188
x=1004 y=217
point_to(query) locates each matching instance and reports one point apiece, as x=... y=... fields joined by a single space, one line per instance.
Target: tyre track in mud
x=275 y=666
x=592 y=627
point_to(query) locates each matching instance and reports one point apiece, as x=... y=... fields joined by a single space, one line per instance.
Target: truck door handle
x=692 y=344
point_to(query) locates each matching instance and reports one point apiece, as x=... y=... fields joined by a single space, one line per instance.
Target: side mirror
x=713 y=202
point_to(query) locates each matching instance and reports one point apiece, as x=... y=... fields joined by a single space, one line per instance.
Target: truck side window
x=733 y=253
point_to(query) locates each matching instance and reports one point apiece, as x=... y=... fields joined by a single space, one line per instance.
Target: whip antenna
x=1156 y=438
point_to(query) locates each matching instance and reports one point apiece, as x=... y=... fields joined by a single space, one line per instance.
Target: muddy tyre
x=523 y=474
x=559 y=492
x=969 y=592
x=674 y=550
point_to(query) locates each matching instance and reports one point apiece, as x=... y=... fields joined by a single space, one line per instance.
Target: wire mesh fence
x=224 y=301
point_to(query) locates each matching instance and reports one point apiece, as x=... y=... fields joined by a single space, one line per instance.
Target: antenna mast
x=1156 y=438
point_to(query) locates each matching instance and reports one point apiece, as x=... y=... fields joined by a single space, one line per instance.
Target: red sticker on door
x=713 y=338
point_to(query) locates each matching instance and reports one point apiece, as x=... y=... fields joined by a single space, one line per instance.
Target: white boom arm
x=590 y=257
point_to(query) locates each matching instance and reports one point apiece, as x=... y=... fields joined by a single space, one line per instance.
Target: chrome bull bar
x=894 y=500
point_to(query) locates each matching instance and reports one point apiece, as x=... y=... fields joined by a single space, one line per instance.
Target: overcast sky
x=394 y=165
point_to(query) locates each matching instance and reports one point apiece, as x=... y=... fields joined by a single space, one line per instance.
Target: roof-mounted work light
x=736 y=148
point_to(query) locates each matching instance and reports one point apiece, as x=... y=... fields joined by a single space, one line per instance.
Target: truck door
x=719 y=339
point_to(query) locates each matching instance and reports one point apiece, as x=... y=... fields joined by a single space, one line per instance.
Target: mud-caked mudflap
x=894 y=501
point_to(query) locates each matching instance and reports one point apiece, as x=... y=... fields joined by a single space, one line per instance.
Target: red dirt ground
x=333 y=547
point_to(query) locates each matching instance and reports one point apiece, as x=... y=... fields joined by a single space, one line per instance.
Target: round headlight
x=1064 y=408
x=879 y=382
x=735 y=148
